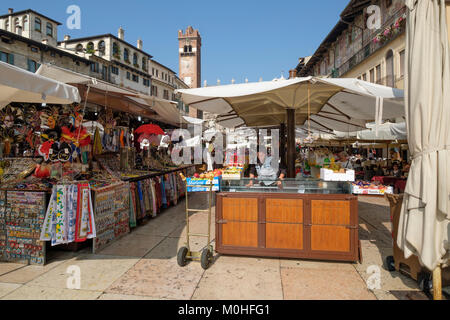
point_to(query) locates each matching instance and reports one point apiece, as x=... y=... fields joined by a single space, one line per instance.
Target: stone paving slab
x=168 y=248
x=98 y=272
x=159 y=227
x=30 y=272
x=6 y=288
x=6 y=267
x=113 y=296
x=317 y=284
x=160 y=279
x=132 y=245
x=198 y=223
x=228 y=280
x=374 y=258
x=314 y=264
x=32 y=292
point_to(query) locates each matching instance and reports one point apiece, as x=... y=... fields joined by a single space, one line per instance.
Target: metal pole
x=283 y=144
x=290 y=113
x=437 y=283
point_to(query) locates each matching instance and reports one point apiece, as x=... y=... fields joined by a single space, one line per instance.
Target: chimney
x=292 y=74
x=121 y=34
x=140 y=44
x=10 y=10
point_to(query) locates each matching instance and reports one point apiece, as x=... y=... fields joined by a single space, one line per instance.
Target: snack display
x=366 y=188
x=233 y=173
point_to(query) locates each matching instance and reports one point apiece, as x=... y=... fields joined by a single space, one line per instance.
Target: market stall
x=77 y=172
x=318 y=218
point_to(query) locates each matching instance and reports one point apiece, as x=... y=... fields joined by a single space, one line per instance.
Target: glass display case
x=290 y=218
x=297 y=186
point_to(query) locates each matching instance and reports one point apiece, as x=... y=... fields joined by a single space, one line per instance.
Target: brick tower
x=190 y=44
x=190 y=49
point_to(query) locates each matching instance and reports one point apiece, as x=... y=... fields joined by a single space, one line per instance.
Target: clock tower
x=190 y=44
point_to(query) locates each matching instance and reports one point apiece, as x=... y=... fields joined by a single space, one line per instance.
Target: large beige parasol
x=424 y=228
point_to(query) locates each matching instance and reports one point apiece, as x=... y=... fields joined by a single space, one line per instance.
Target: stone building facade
x=123 y=64
x=353 y=49
x=28 y=39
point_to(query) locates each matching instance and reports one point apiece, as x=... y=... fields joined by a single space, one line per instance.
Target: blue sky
x=241 y=39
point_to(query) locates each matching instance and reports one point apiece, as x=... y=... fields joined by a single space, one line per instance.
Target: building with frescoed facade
x=354 y=50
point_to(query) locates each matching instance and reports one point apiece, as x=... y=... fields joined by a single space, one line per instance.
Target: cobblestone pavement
x=142 y=265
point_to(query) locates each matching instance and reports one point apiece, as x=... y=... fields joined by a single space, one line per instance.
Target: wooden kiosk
x=300 y=219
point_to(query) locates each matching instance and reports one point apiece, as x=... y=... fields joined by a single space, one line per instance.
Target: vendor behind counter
x=264 y=171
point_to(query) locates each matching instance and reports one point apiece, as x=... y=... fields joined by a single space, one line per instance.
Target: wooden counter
x=309 y=226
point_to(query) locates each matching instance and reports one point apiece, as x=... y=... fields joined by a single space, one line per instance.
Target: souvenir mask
x=8 y=116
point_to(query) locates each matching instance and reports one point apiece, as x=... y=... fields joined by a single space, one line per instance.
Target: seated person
x=396 y=172
x=368 y=173
x=345 y=161
x=379 y=171
x=264 y=171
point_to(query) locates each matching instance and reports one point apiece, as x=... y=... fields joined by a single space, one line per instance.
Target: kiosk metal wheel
x=206 y=258
x=182 y=256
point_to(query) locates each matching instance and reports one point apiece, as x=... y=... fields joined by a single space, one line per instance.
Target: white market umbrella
x=424 y=227
x=335 y=104
x=18 y=85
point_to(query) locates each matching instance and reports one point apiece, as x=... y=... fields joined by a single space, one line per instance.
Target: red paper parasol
x=150 y=129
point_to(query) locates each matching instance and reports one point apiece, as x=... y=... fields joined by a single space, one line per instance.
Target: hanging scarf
x=132 y=206
x=153 y=197
x=163 y=193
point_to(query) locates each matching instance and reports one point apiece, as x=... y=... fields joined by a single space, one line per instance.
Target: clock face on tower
x=185 y=65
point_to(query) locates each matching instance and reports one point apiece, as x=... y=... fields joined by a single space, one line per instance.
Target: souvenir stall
x=67 y=170
x=24 y=199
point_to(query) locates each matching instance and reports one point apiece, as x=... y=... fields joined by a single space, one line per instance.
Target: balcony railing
x=370 y=46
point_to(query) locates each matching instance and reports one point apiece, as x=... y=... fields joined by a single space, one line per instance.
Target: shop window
x=378 y=71
x=390 y=74
x=79 y=48
x=32 y=66
x=37 y=25
x=49 y=29
x=402 y=63
x=7 y=57
x=90 y=48
x=116 y=50
x=25 y=23
x=101 y=47
x=17 y=25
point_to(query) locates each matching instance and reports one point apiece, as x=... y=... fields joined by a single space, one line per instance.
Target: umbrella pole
x=290 y=113
x=283 y=144
x=437 y=283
